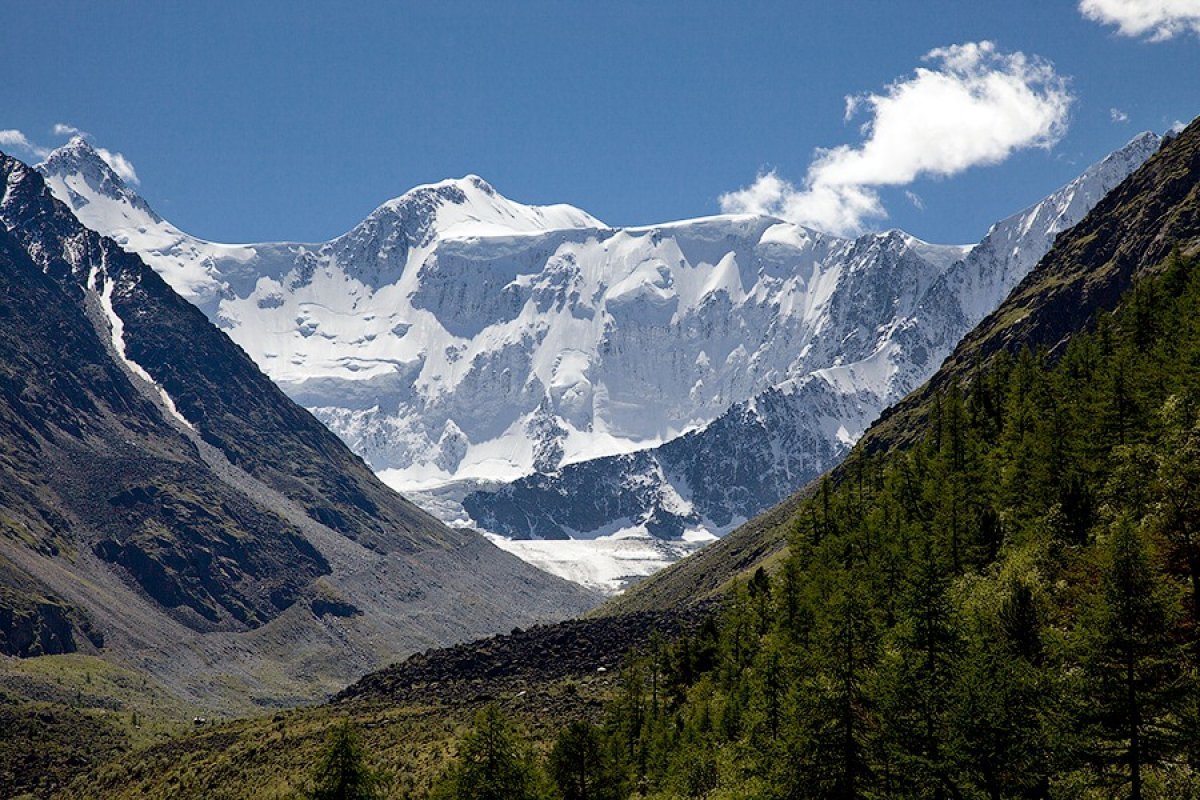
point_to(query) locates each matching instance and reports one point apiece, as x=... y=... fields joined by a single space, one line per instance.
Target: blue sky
x=292 y=120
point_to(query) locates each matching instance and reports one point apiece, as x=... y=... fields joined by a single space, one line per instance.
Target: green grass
x=272 y=756
x=139 y=708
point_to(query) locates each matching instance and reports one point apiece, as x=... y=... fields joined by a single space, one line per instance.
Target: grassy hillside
x=410 y=717
x=63 y=715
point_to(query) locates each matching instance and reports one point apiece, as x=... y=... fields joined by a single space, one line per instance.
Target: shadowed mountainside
x=166 y=506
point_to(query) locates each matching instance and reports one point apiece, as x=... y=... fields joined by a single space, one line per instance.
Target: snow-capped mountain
x=892 y=332
x=163 y=499
x=671 y=379
x=457 y=334
x=213 y=276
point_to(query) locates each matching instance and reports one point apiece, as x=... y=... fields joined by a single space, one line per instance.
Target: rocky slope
x=543 y=654
x=165 y=505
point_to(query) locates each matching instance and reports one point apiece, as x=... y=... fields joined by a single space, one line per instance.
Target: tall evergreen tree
x=833 y=762
x=1130 y=662
x=579 y=766
x=492 y=764
x=999 y=696
x=342 y=772
x=1178 y=512
x=917 y=678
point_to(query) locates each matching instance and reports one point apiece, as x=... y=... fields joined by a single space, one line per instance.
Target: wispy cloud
x=12 y=138
x=1156 y=20
x=915 y=199
x=1118 y=115
x=63 y=129
x=120 y=164
x=972 y=105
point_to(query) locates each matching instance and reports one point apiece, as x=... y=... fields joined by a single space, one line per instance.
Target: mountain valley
x=599 y=401
x=1010 y=522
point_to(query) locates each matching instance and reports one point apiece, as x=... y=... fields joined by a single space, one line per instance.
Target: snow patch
x=102 y=284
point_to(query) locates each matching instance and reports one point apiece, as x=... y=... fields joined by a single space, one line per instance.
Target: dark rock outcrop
x=540 y=655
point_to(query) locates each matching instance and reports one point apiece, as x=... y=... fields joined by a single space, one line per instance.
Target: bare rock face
x=30 y=626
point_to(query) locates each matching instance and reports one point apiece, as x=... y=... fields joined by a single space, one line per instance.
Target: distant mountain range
x=163 y=502
x=539 y=375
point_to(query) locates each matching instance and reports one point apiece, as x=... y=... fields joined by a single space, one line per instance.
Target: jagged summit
x=77 y=150
x=83 y=175
x=207 y=272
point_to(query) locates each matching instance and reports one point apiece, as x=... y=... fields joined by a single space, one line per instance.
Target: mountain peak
x=449 y=191
x=1143 y=141
x=469 y=207
x=1145 y=136
x=79 y=175
x=78 y=143
x=477 y=182
x=1136 y=151
x=75 y=156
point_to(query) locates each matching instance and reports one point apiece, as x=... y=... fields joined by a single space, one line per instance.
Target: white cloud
x=14 y=138
x=1118 y=115
x=63 y=129
x=915 y=199
x=1157 y=20
x=119 y=163
x=971 y=106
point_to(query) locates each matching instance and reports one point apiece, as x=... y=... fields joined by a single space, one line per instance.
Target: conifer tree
x=1178 y=511
x=1130 y=662
x=342 y=772
x=1000 y=692
x=492 y=764
x=835 y=763
x=579 y=766
x=917 y=678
